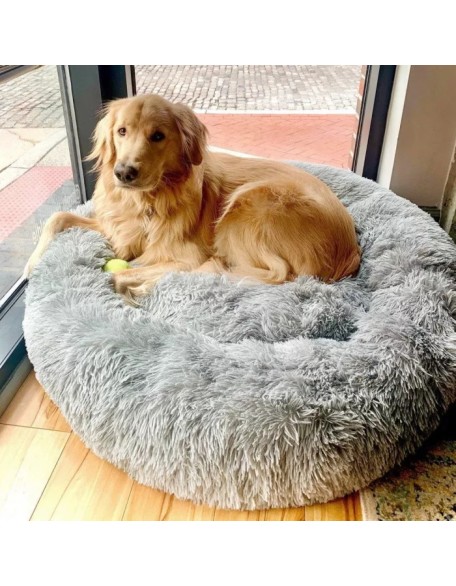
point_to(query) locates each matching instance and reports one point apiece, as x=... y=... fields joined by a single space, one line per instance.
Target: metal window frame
x=84 y=90
x=12 y=344
x=372 y=120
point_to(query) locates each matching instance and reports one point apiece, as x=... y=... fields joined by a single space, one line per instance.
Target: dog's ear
x=193 y=134
x=103 y=144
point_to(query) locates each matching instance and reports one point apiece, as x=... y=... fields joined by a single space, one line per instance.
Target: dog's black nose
x=125 y=173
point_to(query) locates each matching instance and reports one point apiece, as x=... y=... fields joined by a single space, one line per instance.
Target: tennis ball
x=115 y=265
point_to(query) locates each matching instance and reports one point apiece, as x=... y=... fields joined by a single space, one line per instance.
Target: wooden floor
x=46 y=473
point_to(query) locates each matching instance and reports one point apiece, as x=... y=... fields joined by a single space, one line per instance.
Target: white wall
x=421 y=133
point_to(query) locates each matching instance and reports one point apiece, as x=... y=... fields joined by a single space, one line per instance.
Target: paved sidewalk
x=254 y=87
x=33 y=100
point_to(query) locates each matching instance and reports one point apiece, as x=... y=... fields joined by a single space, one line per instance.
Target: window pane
x=35 y=170
x=288 y=112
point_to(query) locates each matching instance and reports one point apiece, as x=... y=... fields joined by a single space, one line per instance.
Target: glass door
x=36 y=178
x=47 y=117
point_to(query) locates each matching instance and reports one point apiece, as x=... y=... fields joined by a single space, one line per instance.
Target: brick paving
x=314 y=138
x=253 y=87
x=33 y=100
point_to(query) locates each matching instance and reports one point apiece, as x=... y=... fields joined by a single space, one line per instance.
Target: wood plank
x=27 y=458
x=145 y=504
x=83 y=487
x=148 y=504
x=31 y=407
x=343 y=509
x=229 y=515
x=291 y=514
x=177 y=510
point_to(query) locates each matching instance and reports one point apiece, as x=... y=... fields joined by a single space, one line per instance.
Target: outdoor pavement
x=314 y=138
x=280 y=112
x=33 y=100
x=215 y=88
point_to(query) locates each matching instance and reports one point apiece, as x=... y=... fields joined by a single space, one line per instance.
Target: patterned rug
x=423 y=488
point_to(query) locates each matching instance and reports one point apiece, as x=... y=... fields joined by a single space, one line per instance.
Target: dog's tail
x=347 y=266
x=277 y=273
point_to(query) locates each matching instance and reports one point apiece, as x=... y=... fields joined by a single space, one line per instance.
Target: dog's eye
x=157 y=136
x=122 y=131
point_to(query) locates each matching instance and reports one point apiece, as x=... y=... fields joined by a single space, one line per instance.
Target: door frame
x=373 y=117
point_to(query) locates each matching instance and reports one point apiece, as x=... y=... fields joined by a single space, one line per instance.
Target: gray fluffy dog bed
x=256 y=396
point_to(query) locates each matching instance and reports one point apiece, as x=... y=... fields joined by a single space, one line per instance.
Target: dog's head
x=146 y=142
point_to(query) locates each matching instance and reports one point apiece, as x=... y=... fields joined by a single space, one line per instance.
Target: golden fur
x=193 y=210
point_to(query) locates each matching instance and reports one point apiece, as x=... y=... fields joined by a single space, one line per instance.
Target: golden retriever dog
x=166 y=202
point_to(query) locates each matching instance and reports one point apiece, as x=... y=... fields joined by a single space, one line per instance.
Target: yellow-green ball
x=115 y=265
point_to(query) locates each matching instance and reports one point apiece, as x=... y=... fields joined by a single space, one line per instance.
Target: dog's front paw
x=123 y=287
x=120 y=282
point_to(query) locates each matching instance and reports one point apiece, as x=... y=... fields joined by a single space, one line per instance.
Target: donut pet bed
x=254 y=396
